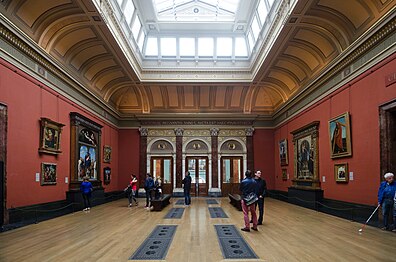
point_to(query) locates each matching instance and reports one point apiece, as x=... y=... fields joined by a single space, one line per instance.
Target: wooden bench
x=235 y=200
x=159 y=204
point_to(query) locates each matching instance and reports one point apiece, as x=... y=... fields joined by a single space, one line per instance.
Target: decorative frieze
x=179 y=131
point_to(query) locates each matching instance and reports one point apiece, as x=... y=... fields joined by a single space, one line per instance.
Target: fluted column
x=142 y=156
x=214 y=133
x=249 y=147
x=179 y=155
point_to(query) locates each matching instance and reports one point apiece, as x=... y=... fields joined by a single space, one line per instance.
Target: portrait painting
x=305 y=158
x=50 y=132
x=341 y=172
x=107 y=175
x=283 y=155
x=87 y=162
x=48 y=174
x=340 y=136
x=107 y=154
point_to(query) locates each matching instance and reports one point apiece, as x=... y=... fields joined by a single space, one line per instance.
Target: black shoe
x=260 y=223
x=255 y=229
x=245 y=229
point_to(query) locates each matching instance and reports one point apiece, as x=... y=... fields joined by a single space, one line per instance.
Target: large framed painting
x=341 y=172
x=340 y=136
x=85 y=155
x=48 y=174
x=306 y=158
x=283 y=155
x=50 y=133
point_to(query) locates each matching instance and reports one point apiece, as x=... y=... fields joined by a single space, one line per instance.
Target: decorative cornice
x=196 y=122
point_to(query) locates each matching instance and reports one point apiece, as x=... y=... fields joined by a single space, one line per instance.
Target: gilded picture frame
x=50 y=135
x=48 y=174
x=341 y=172
x=283 y=152
x=340 y=136
x=107 y=154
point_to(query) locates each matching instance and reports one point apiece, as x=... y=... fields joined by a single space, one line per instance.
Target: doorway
x=3 y=154
x=198 y=168
x=163 y=167
x=388 y=138
x=231 y=174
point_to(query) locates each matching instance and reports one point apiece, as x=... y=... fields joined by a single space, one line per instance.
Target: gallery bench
x=159 y=204
x=235 y=200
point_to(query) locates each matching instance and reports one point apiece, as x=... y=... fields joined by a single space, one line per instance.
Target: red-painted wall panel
x=128 y=154
x=263 y=146
x=27 y=102
x=361 y=98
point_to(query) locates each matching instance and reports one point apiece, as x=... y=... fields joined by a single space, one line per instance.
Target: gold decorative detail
x=231 y=146
x=196 y=146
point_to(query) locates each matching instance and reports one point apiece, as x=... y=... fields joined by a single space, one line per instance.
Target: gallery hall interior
x=197 y=130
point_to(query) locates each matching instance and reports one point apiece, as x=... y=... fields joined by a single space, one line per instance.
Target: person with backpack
x=248 y=187
x=149 y=187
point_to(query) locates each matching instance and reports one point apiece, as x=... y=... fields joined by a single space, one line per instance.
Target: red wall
x=128 y=155
x=263 y=146
x=27 y=102
x=361 y=98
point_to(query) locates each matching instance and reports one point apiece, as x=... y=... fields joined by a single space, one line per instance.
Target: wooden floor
x=112 y=232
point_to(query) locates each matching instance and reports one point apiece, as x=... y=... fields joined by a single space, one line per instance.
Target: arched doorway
x=232 y=165
x=161 y=163
x=197 y=163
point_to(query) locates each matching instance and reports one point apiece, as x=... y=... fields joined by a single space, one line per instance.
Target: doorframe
x=163 y=157
x=221 y=169
x=3 y=159
x=386 y=121
x=207 y=168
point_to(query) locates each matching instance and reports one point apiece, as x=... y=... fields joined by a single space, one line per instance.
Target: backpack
x=151 y=184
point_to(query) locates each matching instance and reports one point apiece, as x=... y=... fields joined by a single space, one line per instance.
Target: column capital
x=249 y=131
x=143 y=131
x=179 y=131
x=214 y=131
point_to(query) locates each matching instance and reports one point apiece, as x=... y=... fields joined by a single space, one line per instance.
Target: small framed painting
x=48 y=174
x=107 y=154
x=283 y=152
x=341 y=172
x=50 y=136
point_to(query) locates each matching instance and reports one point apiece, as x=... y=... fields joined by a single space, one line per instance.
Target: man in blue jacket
x=386 y=194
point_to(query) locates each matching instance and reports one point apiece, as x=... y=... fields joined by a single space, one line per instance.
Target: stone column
x=214 y=132
x=249 y=148
x=179 y=155
x=143 y=155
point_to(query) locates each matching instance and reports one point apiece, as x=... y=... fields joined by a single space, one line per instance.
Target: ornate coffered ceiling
x=317 y=35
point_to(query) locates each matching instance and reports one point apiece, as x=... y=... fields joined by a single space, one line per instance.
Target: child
x=132 y=192
x=86 y=190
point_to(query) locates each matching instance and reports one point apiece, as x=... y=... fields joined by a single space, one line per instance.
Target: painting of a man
x=340 y=143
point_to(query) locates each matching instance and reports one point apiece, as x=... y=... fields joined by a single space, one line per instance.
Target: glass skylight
x=196 y=10
x=187 y=47
x=205 y=47
x=156 y=43
x=240 y=47
x=128 y=11
x=168 y=46
x=152 y=46
x=224 y=46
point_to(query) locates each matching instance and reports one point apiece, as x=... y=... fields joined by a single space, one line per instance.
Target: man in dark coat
x=187 y=187
x=261 y=190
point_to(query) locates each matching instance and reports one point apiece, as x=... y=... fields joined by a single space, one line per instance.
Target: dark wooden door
x=198 y=168
x=231 y=174
x=163 y=167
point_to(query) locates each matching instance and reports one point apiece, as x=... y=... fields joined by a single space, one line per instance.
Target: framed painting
x=86 y=151
x=283 y=156
x=107 y=175
x=284 y=174
x=48 y=174
x=50 y=133
x=306 y=156
x=340 y=136
x=107 y=154
x=341 y=172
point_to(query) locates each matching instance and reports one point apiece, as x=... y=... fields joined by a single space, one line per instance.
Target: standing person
x=261 y=190
x=186 y=188
x=148 y=187
x=86 y=190
x=386 y=194
x=248 y=186
x=132 y=192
